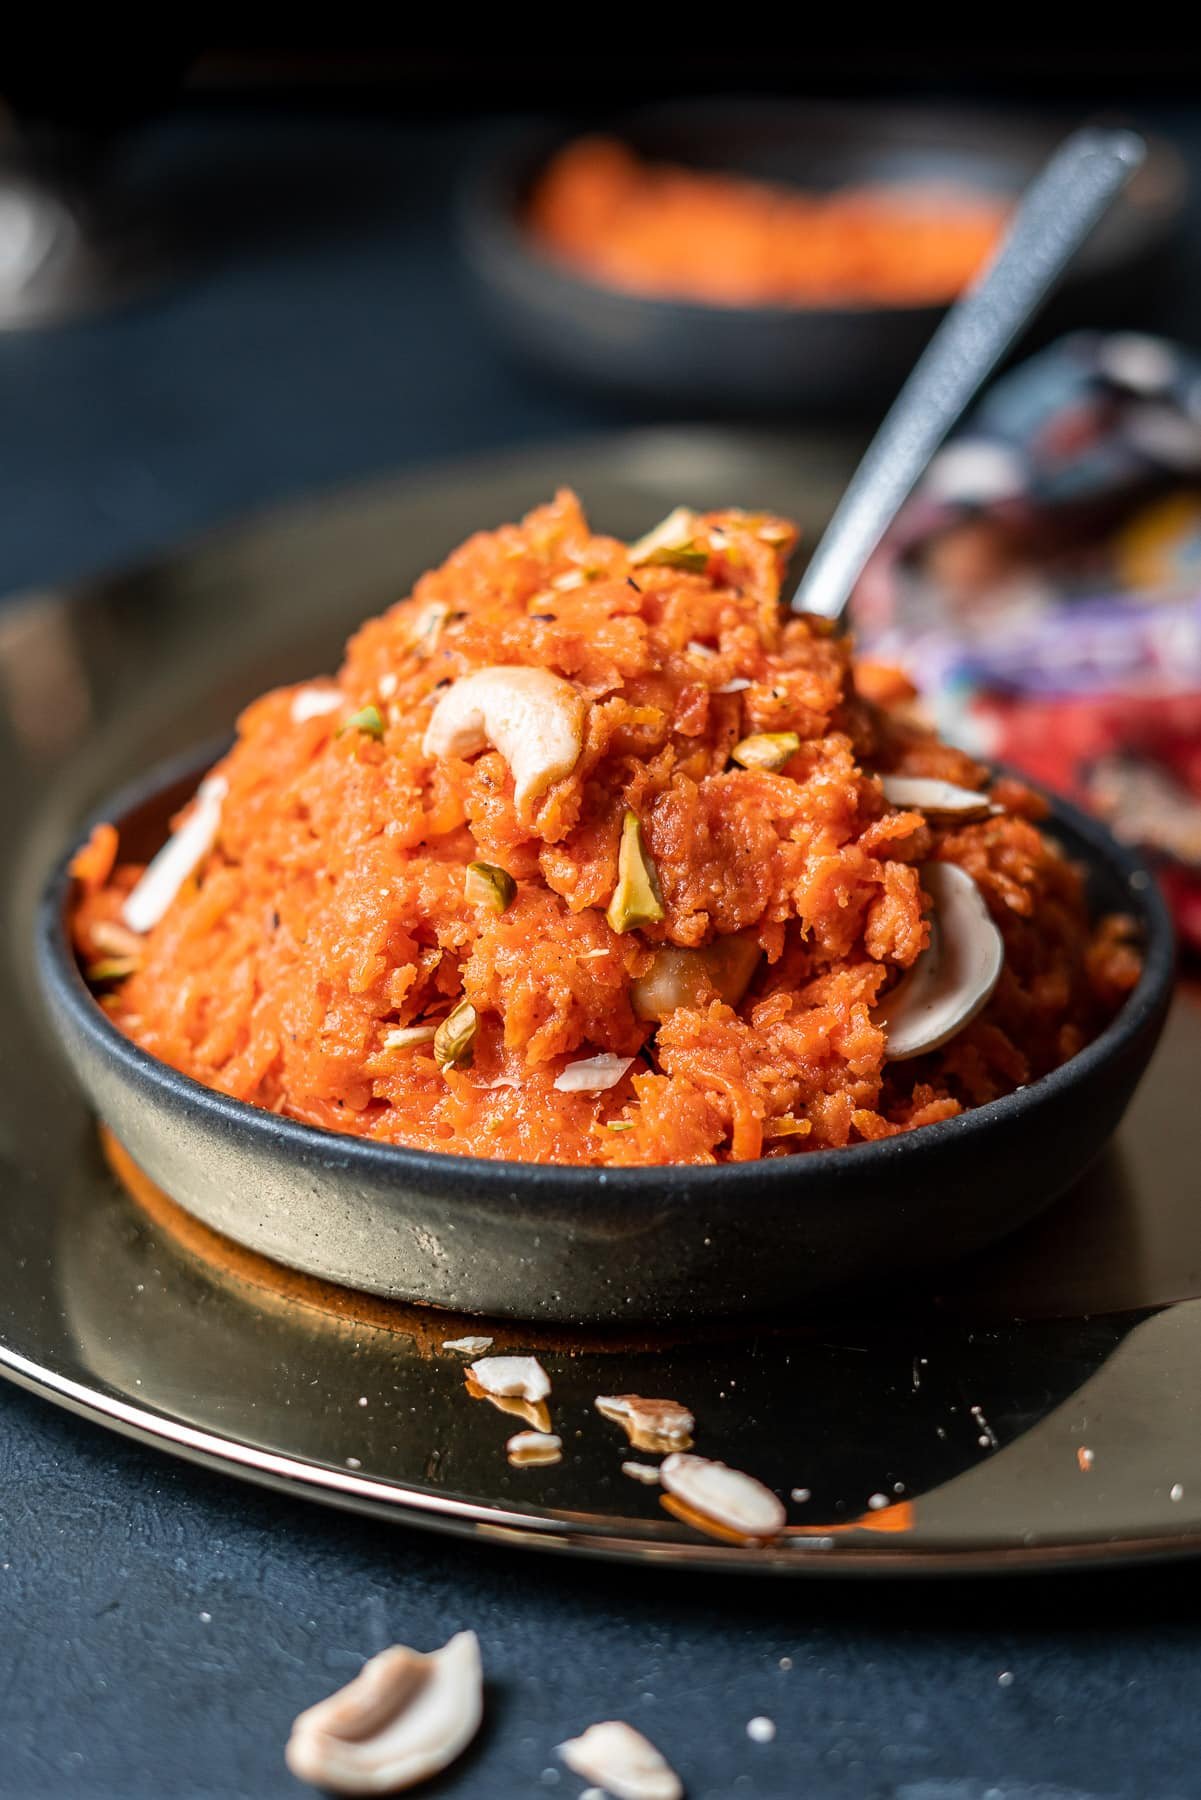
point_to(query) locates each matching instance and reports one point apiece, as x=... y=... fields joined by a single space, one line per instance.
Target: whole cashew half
x=535 y=719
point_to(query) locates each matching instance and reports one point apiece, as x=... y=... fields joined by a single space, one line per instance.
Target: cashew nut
x=535 y=719
x=955 y=974
x=403 y=1718
x=680 y=977
x=615 y=1757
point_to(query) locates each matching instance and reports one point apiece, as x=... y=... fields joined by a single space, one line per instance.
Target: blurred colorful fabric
x=1043 y=590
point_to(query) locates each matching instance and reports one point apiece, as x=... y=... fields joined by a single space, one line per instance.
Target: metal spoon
x=1057 y=212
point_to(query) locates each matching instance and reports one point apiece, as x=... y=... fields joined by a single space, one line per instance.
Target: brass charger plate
x=1036 y=1408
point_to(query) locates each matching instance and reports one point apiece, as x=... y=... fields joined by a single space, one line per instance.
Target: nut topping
x=622 y=1762
x=402 y=1719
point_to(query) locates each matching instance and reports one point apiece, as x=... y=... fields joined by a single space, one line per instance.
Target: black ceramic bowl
x=713 y=359
x=591 y=1246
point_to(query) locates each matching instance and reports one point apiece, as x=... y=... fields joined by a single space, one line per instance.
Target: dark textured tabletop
x=159 y=1626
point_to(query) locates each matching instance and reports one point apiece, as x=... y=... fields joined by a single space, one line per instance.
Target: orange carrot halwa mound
x=380 y=938
x=726 y=240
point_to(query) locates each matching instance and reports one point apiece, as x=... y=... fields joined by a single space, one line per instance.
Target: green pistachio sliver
x=767 y=750
x=637 y=899
x=689 y=556
x=112 y=968
x=619 y=1125
x=484 y=884
x=368 y=720
x=454 y=1040
x=674 y=542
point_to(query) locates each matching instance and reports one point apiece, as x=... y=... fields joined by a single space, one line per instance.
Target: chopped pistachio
x=368 y=720
x=636 y=898
x=454 y=1040
x=692 y=557
x=766 y=750
x=112 y=968
x=619 y=1125
x=674 y=542
x=486 y=885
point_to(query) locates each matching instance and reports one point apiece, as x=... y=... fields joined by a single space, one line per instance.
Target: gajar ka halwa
x=592 y=854
x=660 y=229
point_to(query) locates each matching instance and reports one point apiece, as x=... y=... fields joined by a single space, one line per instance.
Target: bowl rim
x=492 y=229
x=64 y=985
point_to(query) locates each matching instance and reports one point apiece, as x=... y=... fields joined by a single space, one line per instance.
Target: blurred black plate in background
x=704 y=359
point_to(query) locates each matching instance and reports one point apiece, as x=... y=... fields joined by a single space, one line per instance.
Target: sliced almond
x=593 y=1074
x=734 y=1500
x=953 y=977
x=401 y=1720
x=646 y=1473
x=534 y=1449
x=622 y=1762
x=535 y=1413
x=680 y=976
x=179 y=858
x=512 y=1377
x=649 y=1424
x=314 y=703
x=401 y=1036
x=469 y=1346
x=937 y=799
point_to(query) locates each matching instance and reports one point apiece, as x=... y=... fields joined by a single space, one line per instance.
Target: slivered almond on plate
x=649 y=1424
x=534 y=1449
x=513 y=1384
x=511 y=1377
x=734 y=1501
x=646 y=1473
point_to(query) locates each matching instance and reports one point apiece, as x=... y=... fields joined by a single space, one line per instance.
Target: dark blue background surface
x=159 y=1627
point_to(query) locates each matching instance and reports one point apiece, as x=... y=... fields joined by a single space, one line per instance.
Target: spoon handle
x=1057 y=212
